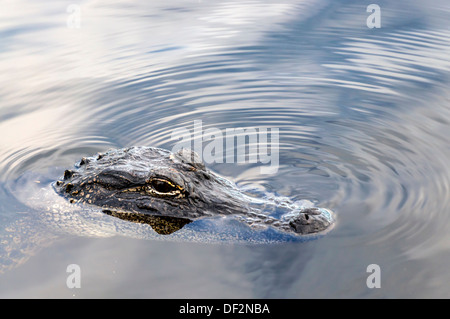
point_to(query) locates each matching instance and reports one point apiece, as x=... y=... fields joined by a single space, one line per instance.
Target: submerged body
x=169 y=190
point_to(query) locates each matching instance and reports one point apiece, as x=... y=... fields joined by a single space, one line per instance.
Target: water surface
x=363 y=116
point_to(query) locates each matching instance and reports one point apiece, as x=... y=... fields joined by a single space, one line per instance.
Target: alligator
x=169 y=190
x=152 y=194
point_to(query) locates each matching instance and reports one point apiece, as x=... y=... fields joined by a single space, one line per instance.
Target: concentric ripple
x=363 y=115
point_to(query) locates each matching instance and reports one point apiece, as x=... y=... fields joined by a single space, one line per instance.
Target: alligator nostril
x=68 y=174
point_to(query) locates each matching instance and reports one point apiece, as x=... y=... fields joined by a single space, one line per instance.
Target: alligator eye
x=163 y=186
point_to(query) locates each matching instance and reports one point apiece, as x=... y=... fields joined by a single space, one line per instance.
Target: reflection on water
x=362 y=113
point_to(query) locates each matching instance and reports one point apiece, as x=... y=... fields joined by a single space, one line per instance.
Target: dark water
x=363 y=117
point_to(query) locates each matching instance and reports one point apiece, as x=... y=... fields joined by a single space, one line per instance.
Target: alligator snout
x=311 y=220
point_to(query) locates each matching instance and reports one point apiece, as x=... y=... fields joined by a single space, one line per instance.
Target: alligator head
x=154 y=186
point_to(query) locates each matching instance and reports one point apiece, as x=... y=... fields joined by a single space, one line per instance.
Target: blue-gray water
x=363 y=116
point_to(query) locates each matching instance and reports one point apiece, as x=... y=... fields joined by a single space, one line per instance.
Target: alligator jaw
x=163 y=225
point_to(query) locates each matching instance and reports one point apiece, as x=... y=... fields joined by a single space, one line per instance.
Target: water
x=363 y=116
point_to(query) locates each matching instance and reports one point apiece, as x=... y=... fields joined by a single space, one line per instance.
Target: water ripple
x=363 y=116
